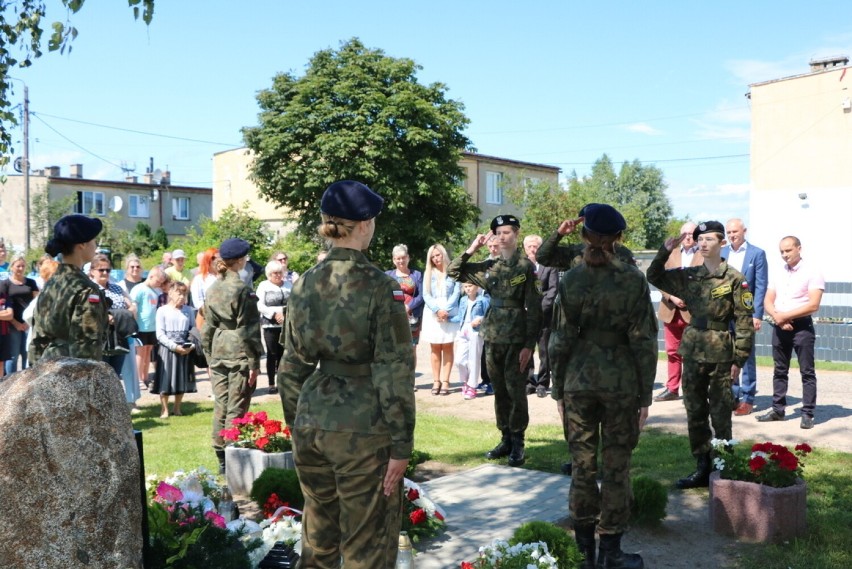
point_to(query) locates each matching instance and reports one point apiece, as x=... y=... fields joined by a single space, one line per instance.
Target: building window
x=139 y=206
x=90 y=203
x=494 y=188
x=180 y=208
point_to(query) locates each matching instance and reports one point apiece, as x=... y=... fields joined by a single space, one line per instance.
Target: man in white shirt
x=794 y=294
x=750 y=260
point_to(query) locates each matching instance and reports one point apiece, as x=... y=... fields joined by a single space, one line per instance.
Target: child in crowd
x=471 y=310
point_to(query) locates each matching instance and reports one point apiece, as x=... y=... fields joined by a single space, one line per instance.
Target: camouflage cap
x=351 y=200
x=501 y=220
x=708 y=227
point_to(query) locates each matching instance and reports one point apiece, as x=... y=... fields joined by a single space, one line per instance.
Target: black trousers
x=801 y=339
x=274 y=351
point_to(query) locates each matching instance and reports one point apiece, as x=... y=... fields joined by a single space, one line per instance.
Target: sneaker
x=744 y=409
x=469 y=393
x=489 y=390
x=541 y=391
x=667 y=395
x=807 y=422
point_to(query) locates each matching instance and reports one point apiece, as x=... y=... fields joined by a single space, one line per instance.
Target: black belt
x=705 y=324
x=802 y=322
x=506 y=303
x=334 y=367
x=604 y=338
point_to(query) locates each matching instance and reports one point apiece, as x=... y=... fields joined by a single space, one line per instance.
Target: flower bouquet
x=258 y=431
x=422 y=518
x=501 y=555
x=766 y=463
x=185 y=531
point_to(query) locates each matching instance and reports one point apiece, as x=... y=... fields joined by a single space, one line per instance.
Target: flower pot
x=757 y=513
x=281 y=556
x=244 y=465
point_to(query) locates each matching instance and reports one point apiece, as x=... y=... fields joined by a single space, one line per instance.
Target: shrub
x=279 y=481
x=650 y=499
x=559 y=543
x=417 y=457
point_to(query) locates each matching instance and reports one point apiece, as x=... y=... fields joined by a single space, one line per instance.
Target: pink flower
x=260 y=417
x=230 y=434
x=215 y=519
x=169 y=493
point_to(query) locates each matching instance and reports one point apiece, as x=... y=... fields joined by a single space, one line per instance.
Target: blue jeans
x=18 y=347
x=746 y=389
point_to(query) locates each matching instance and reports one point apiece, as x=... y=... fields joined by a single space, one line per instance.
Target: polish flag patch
x=94 y=298
x=399 y=295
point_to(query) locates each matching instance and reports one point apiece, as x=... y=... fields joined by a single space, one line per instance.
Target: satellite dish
x=19 y=164
x=156 y=176
x=116 y=203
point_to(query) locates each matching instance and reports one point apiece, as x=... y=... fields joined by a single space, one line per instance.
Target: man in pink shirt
x=794 y=294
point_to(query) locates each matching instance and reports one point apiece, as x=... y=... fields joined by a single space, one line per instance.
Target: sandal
x=446 y=388
x=436 y=388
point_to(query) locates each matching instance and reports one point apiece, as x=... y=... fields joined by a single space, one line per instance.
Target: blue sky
x=558 y=83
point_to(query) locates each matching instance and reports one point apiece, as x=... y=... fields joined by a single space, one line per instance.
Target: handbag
x=197 y=355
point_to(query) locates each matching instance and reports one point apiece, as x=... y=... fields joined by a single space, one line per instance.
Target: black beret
x=233 y=248
x=76 y=228
x=603 y=219
x=351 y=200
x=502 y=220
x=708 y=227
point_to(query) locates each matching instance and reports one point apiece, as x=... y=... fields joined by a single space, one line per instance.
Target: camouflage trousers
x=346 y=514
x=607 y=423
x=707 y=397
x=510 y=384
x=232 y=397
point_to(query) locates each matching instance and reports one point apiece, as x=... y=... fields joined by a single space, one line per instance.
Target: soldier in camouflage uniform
x=230 y=339
x=564 y=257
x=716 y=295
x=347 y=387
x=603 y=349
x=72 y=314
x=510 y=328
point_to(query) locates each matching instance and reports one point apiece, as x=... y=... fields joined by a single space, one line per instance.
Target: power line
x=694 y=159
x=86 y=150
x=228 y=144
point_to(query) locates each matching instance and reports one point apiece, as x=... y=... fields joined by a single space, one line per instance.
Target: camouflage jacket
x=714 y=299
x=564 y=257
x=514 y=316
x=231 y=331
x=604 y=333
x=349 y=317
x=71 y=319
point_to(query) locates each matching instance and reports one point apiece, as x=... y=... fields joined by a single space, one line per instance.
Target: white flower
x=719 y=463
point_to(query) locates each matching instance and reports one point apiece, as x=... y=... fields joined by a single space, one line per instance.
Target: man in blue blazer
x=751 y=262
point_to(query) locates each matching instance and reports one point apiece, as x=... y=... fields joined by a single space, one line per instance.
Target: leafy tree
x=545 y=205
x=232 y=222
x=359 y=114
x=21 y=30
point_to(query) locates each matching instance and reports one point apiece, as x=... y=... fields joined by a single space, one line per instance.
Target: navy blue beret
x=351 y=200
x=708 y=227
x=76 y=228
x=233 y=248
x=502 y=220
x=603 y=219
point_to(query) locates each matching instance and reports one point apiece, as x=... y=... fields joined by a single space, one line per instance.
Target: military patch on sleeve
x=720 y=291
x=399 y=295
x=94 y=298
x=252 y=295
x=748 y=300
x=538 y=286
x=518 y=280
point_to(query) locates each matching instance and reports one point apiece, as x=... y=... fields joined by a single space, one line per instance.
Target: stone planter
x=757 y=513
x=244 y=465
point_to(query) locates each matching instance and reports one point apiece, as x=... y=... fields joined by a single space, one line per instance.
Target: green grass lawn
x=183 y=443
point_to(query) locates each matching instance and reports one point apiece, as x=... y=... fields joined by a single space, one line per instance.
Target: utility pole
x=26 y=164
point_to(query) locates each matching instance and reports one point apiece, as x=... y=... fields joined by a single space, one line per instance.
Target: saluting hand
x=673 y=242
x=569 y=225
x=479 y=241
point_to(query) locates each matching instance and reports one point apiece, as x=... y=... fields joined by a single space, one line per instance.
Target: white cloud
x=643 y=128
x=704 y=201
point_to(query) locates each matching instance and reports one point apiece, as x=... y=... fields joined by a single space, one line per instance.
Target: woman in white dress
x=441 y=296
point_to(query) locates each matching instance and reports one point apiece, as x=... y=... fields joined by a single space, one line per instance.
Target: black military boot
x=220 y=456
x=503 y=448
x=516 y=457
x=610 y=555
x=701 y=477
x=585 y=537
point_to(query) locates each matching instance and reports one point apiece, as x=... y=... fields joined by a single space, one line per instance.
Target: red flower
x=466 y=565
x=230 y=434
x=438 y=515
x=756 y=463
x=418 y=516
x=262 y=442
x=804 y=447
x=272 y=427
x=412 y=495
x=215 y=519
x=260 y=417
